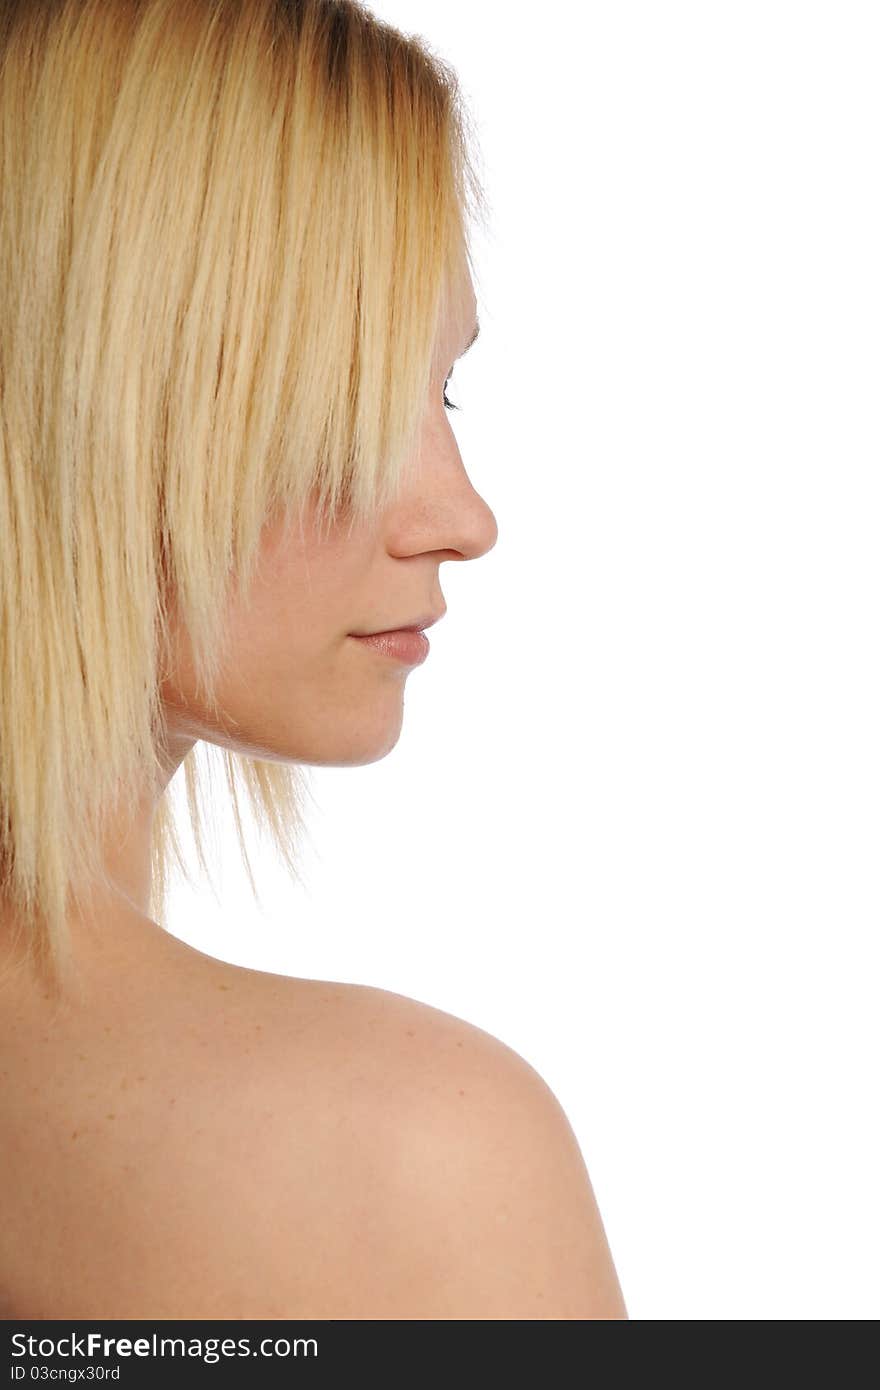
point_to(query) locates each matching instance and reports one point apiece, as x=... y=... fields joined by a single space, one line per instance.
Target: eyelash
x=450 y=405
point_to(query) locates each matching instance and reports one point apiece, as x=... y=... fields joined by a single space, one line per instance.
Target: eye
x=450 y=405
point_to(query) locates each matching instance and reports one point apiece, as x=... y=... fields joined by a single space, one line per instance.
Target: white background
x=631 y=826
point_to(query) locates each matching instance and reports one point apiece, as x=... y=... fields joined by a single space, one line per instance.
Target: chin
x=352 y=746
x=357 y=752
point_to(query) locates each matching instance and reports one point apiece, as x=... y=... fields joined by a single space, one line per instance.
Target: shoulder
x=255 y=1146
x=495 y=1181
x=444 y=1179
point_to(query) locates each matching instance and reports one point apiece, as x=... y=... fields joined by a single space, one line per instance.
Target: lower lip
x=409 y=647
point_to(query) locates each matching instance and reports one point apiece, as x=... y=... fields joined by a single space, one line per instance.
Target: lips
x=407 y=645
x=419 y=625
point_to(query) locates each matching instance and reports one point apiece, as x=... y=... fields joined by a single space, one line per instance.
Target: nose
x=445 y=513
x=466 y=522
x=439 y=508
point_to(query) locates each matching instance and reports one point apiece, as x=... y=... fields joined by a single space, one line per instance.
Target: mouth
x=420 y=625
x=405 y=644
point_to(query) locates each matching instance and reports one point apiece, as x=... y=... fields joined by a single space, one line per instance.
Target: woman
x=235 y=276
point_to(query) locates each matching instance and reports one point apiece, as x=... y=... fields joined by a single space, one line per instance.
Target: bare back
x=118 y=1125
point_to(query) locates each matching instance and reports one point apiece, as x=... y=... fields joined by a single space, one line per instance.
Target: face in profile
x=296 y=686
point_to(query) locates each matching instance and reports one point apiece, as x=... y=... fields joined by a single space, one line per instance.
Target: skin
x=146 y=1120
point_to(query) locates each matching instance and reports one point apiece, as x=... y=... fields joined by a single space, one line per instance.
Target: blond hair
x=227 y=232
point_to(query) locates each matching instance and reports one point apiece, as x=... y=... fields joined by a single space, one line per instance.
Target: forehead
x=458 y=315
x=464 y=302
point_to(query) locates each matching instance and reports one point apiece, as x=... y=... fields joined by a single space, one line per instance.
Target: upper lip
x=418 y=626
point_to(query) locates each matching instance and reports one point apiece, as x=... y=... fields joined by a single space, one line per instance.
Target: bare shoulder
x=236 y=1144
x=444 y=1179
x=490 y=1173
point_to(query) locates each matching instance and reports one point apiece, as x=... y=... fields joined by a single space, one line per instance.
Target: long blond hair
x=227 y=228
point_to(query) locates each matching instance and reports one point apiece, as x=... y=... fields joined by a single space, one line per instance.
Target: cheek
x=307 y=585
x=292 y=631
x=289 y=634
